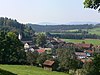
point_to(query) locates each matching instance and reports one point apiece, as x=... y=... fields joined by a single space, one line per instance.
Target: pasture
x=95 y=31
x=25 y=70
x=89 y=41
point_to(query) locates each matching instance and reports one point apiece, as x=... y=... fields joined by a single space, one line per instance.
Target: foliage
x=66 y=58
x=11 y=49
x=94 y=4
x=92 y=68
x=87 y=69
x=72 y=35
x=58 y=28
x=10 y=25
x=28 y=70
x=31 y=57
x=89 y=41
x=96 y=63
x=41 y=39
x=43 y=57
x=7 y=25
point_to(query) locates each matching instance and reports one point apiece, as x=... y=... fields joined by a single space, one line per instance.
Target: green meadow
x=95 y=31
x=25 y=70
x=89 y=41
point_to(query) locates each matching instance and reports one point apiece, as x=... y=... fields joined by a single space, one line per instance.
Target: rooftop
x=48 y=63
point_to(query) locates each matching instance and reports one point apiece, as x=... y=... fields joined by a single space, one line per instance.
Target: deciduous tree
x=41 y=39
x=94 y=4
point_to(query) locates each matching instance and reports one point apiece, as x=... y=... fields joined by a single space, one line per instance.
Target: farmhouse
x=80 y=55
x=48 y=65
x=85 y=46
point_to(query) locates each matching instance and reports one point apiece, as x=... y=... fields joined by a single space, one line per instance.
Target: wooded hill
x=8 y=24
x=55 y=28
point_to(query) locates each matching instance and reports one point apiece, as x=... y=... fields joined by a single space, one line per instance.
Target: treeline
x=75 y=36
x=57 y=28
x=8 y=24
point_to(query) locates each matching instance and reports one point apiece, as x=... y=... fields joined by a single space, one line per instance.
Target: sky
x=54 y=11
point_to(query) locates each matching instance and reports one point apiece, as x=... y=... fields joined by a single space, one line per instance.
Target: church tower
x=19 y=36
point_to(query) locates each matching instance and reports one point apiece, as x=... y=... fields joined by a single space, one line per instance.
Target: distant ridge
x=47 y=23
x=57 y=28
x=78 y=23
x=69 y=23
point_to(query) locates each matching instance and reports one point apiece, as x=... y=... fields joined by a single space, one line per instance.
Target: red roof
x=48 y=63
x=83 y=45
x=90 y=51
x=41 y=50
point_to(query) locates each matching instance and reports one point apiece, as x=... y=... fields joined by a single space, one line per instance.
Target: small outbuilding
x=49 y=65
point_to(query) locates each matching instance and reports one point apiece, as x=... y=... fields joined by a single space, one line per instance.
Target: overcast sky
x=55 y=11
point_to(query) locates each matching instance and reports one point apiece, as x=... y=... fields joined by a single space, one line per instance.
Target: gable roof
x=90 y=51
x=48 y=63
x=86 y=60
x=80 y=53
x=41 y=50
x=83 y=45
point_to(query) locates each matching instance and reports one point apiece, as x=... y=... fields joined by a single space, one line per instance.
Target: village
x=83 y=51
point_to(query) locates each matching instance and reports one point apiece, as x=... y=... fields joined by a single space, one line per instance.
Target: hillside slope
x=26 y=70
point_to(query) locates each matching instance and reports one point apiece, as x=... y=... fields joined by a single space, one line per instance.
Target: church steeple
x=19 y=36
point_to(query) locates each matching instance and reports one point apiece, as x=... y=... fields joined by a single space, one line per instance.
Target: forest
x=8 y=24
x=58 y=28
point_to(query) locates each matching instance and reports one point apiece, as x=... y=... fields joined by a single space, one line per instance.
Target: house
x=87 y=60
x=97 y=49
x=80 y=55
x=48 y=50
x=26 y=41
x=41 y=50
x=89 y=52
x=83 y=45
x=48 y=65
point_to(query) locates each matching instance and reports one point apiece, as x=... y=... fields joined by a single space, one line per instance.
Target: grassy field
x=89 y=41
x=95 y=31
x=25 y=70
x=91 y=31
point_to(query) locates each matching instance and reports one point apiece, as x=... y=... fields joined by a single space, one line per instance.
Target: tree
x=92 y=68
x=42 y=57
x=41 y=39
x=96 y=64
x=87 y=69
x=93 y=4
x=31 y=57
x=14 y=48
x=11 y=49
x=67 y=59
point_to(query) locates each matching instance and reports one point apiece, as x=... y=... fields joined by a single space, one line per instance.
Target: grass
x=26 y=70
x=89 y=41
x=92 y=31
x=95 y=31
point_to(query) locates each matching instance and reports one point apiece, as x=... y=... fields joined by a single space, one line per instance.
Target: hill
x=25 y=70
x=8 y=24
x=55 y=28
